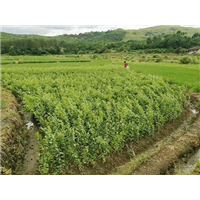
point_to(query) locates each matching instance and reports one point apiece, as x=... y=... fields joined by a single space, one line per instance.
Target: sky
x=60 y=30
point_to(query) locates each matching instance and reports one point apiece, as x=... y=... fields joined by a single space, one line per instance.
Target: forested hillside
x=159 y=39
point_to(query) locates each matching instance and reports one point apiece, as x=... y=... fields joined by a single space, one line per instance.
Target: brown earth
x=159 y=163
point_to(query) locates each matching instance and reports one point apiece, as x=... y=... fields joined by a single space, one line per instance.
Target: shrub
x=155 y=56
x=186 y=60
x=95 y=56
x=195 y=60
x=158 y=60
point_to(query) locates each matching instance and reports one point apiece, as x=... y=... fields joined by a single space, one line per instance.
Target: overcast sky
x=59 y=30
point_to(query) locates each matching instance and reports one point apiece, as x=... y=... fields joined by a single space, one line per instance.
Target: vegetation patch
x=119 y=40
x=188 y=60
x=13 y=137
x=186 y=75
x=197 y=169
x=87 y=112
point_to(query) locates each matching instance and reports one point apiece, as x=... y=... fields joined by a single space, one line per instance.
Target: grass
x=186 y=75
x=3 y=96
x=8 y=107
x=3 y=104
x=196 y=171
x=144 y=33
x=13 y=138
x=40 y=59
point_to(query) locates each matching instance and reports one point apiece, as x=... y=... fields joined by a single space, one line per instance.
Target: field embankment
x=13 y=134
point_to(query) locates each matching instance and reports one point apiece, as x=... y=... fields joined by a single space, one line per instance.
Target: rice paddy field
x=186 y=75
x=87 y=108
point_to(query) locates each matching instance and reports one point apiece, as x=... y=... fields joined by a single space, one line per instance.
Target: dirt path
x=165 y=158
x=30 y=160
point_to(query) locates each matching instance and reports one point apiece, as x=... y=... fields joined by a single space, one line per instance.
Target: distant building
x=195 y=50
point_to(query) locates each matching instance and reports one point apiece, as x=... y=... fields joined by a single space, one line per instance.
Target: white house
x=195 y=50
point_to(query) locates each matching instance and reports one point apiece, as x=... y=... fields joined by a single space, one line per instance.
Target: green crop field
x=87 y=110
x=39 y=59
x=186 y=75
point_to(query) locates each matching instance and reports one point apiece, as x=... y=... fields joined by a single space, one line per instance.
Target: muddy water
x=190 y=165
x=30 y=161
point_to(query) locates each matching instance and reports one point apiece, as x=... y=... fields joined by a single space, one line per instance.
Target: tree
x=12 y=51
x=149 y=41
x=62 y=50
x=196 y=35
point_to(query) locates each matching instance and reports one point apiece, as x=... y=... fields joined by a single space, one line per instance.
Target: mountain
x=111 y=35
x=125 y=35
x=108 y=36
x=144 y=33
x=7 y=36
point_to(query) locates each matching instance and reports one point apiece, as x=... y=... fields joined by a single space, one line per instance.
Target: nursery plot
x=91 y=109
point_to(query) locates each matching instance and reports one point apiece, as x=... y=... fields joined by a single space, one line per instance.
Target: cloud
x=60 y=30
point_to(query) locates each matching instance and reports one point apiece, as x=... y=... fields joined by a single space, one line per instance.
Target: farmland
x=186 y=75
x=100 y=100
x=89 y=109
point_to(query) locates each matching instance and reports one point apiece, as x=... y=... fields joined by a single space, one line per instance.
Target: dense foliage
x=87 y=111
x=188 y=60
x=110 y=41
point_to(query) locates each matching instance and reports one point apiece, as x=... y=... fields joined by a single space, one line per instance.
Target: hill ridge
x=110 y=35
